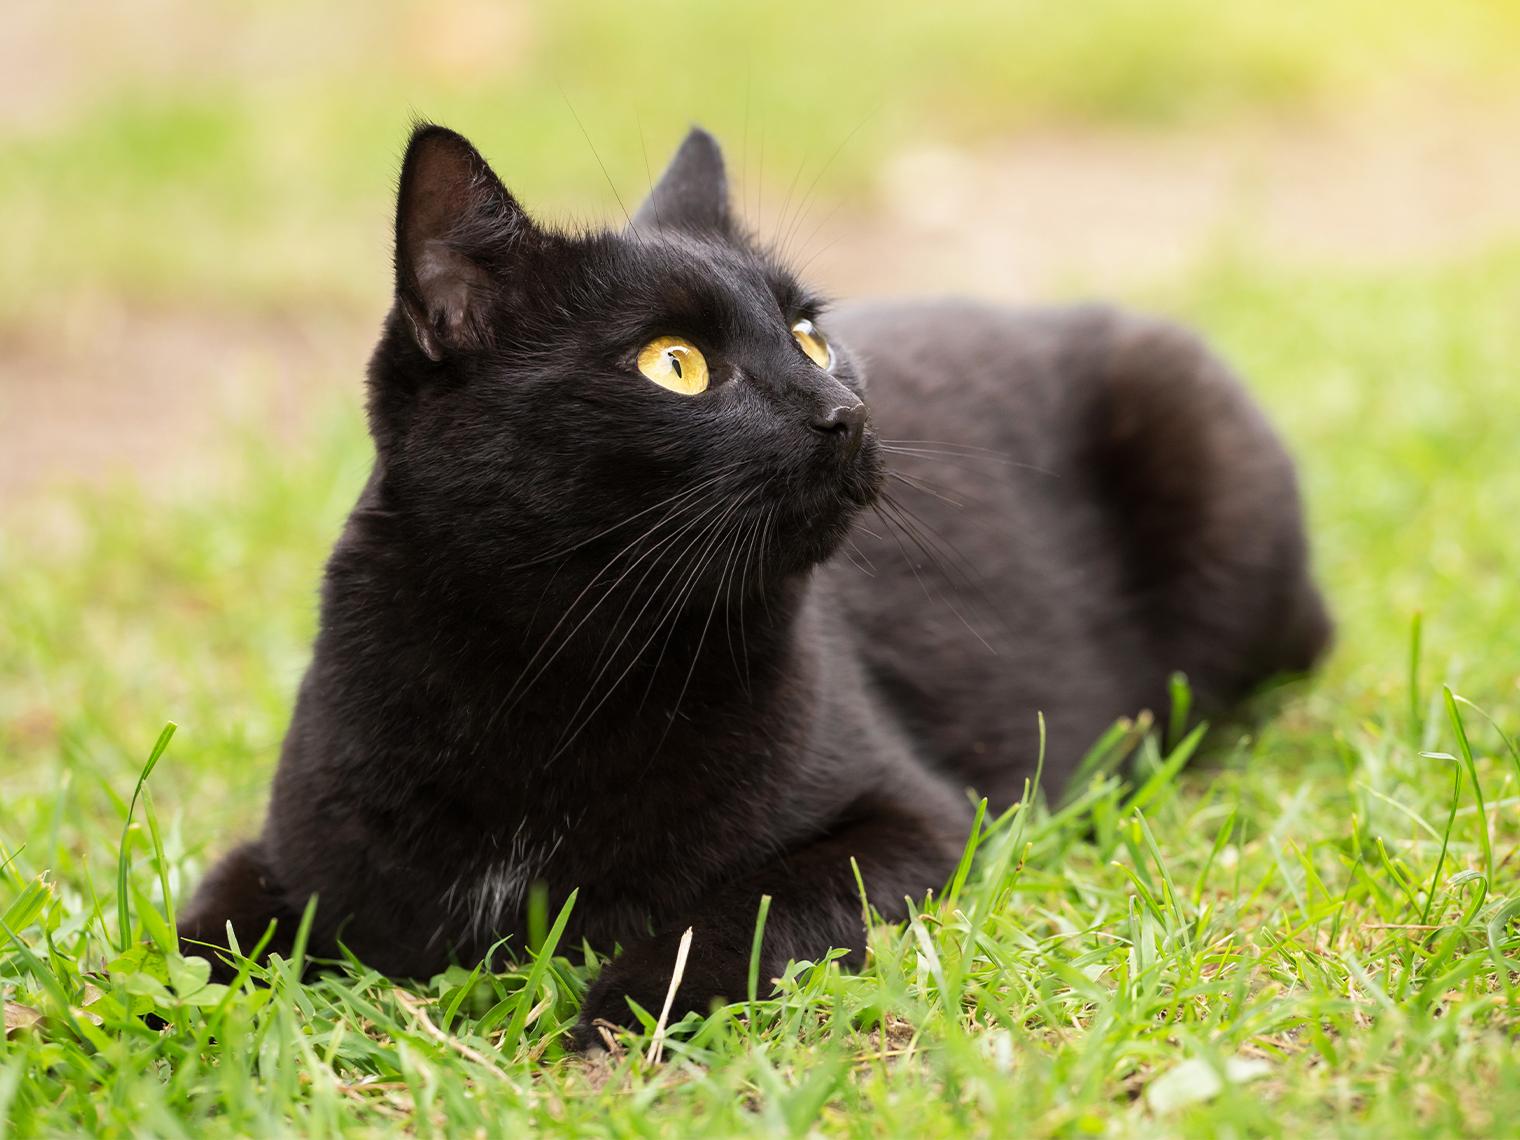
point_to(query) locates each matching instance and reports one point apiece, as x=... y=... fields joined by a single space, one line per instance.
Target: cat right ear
x=453 y=217
x=692 y=194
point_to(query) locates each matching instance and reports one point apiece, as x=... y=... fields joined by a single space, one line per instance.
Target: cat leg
x=239 y=890
x=902 y=851
x=1206 y=505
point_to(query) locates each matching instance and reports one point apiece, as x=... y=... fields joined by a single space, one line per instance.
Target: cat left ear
x=452 y=215
x=692 y=194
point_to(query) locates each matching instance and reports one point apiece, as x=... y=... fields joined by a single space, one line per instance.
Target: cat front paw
x=712 y=976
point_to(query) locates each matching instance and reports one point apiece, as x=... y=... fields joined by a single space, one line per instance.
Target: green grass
x=1316 y=931
x=266 y=179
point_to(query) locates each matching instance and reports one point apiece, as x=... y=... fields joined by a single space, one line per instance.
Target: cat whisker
x=595 y=154
x=898 y=516
x=880 y=509
x=751 y=559
x=957 y=497
x=698 y=567
x=822 y=170
x=948 y=559
x=926 y=488
x=856 y=563
x=688 y=583
x=765 y=538
x=942 y=542
x=786 y=203
x=606 y=659
x=691 y=527
x=685 y=684
x=858 y=558
x=828 y=245
x=731 y=572
x=749 y=80
x=760 y=178
x=648 y=172
x=681 y=494
x=950 y=445
x=680 y=498
x=945 y=452
x=524 y=683
x=671 y=516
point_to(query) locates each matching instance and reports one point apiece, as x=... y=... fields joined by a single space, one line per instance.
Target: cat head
x=666 y=390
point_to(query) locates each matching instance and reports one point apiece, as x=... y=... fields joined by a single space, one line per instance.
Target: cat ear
x=692 y=194
x=452 y=217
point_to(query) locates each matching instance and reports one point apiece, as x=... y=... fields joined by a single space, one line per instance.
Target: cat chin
x=863 y=487
x=816 y=539
x=853 y=485
x=855 y=494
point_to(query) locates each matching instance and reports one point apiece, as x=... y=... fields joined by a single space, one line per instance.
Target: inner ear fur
x=451 y=208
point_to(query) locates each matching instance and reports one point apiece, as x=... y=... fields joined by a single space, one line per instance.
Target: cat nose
x=846 y=423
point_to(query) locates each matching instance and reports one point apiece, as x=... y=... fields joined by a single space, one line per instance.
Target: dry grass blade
x=657 y=1041
x=18 y=1017
x=417 y=1009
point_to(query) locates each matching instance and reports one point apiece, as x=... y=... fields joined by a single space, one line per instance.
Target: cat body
x=677 y=645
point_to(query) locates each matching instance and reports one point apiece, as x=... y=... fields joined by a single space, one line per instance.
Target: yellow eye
x=675 y=364
x=814 y=344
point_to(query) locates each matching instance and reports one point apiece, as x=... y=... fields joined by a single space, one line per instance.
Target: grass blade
x=123 y=907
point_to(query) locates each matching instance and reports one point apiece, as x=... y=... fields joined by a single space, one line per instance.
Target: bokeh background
x=195 y=202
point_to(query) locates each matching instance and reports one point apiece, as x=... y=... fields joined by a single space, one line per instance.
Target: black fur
x=679 y=652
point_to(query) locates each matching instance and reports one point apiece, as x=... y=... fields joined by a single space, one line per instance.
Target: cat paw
x=643 y=973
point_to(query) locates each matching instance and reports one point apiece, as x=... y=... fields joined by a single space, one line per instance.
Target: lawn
x=1310 y=929
x=1313 y=928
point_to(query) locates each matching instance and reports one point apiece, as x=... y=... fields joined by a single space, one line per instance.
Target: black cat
x=645 y=597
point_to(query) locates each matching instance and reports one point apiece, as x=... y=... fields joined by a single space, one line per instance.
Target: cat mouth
x=820 y=516
x=865 y=474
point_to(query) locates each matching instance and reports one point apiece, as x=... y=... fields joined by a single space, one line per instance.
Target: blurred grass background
x=195 y=204
x=245 y=151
